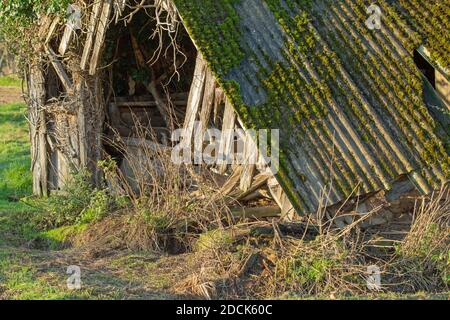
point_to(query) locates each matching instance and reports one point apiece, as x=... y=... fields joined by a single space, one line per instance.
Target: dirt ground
x=10 y=95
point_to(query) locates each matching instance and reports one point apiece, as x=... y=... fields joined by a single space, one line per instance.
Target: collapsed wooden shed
x=348 y=101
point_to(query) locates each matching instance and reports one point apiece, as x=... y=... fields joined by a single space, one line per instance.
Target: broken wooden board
x=280 y=197
x=227 y=138
x=65 y=41
x=95 y=14
x=219 y=99
x=100 y=36
x=51 y=30
x=250 y=157
x=207 y=106
x=256 y=212
x=194 y=101
x=57 y=65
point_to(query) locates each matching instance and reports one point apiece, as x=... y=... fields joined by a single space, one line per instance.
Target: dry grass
x=160 y=211
x=429 y=231
x=422 y=260
x=322 y=261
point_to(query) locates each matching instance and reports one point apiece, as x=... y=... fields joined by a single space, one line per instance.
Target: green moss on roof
x=217 y=24
x=348 y=100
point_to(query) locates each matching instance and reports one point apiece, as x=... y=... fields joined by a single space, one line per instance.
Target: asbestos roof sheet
x=349 y=101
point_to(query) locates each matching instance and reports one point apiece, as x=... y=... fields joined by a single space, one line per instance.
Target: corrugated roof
x=349 y=100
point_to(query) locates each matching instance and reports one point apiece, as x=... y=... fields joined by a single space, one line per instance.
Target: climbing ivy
x=19 y=17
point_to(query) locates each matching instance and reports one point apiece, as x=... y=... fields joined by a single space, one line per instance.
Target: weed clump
x=78 y=203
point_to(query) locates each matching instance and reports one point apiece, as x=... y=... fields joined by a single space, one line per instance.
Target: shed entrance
x=148 y=79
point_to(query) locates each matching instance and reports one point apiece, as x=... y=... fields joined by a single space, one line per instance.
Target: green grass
x=20 y=279
x=15 y=176
x=9 y=81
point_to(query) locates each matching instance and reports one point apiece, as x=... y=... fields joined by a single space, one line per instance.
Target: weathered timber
x=100 y=36
x=38 y=131
x=227 y=137
x=256 y=212
x=250 y=159
x=65 y=41
x=92 y=27
x=57 y=65
x=194 y=100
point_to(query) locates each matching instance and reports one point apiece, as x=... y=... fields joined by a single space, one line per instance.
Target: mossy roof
x=349 y=101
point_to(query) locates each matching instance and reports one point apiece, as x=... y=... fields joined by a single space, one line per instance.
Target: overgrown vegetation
x=19 y=17
x=78 y=203
x=267 y=260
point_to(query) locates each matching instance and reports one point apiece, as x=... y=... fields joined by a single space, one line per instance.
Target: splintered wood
x=194 y=101
x=100 y=36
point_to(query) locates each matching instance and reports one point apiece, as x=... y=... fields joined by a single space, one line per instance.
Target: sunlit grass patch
x=10 y=81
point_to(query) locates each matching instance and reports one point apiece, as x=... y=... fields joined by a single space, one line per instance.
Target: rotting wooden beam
x=66 y=38
x=219 y=99
x=256 y=212
x=100 y=36
x=51 y=30
x=227 y=137
x=57 y=65
x=92 y=27
x=38 y=131
x=194 y=101
x=250 y=159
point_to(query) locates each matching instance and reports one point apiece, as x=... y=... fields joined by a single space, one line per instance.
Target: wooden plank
x=161 y=105
x=250 y=159
x=219 y=99
x=280 y=197
x=256 y=212
x=258 y=182
x=51 y=30
x=227 y=137
x=100 y=36
x=207 y=106
x=194 y=100
x=208 y=99
x=57 y=65
x=65 y=41
x=231 y=183
x=143 y=104
x=231 y=186
x=92 y=27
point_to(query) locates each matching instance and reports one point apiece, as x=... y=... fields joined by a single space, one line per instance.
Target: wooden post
x=38 y=131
